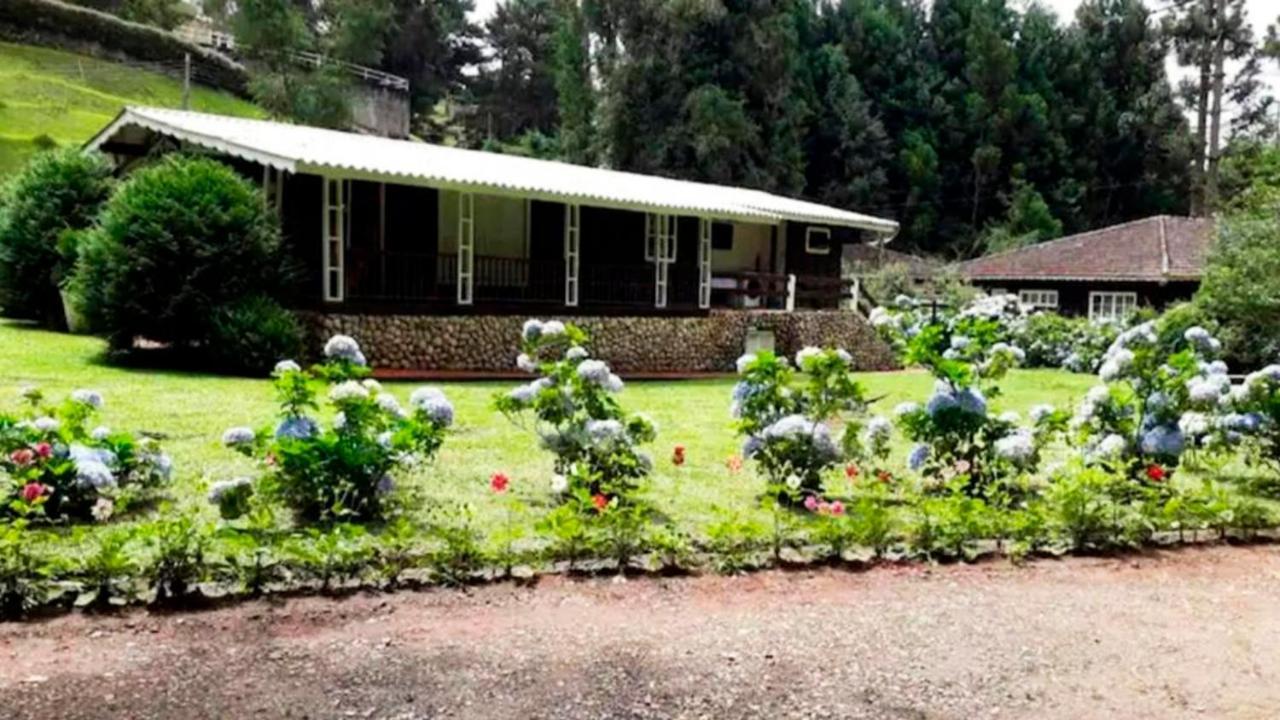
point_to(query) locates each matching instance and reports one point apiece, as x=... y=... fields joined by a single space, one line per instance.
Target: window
x=660 y=232
x=722 y=236
x=997 y=292
x=1039 y=299
x=1108 y=306
x=817 y=241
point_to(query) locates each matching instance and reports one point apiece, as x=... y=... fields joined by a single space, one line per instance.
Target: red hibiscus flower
x=499 y=482
x=32 y=492
x=851 y=471
x=44 y=449
x=836 y=508
x=600 y=501
x=1155 y=473
x=677 y=455
x=22 y=457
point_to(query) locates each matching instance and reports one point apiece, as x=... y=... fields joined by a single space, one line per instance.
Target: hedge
x=50 y=21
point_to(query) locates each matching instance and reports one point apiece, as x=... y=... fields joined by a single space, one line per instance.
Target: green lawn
x=69 y=97
x=193 y=410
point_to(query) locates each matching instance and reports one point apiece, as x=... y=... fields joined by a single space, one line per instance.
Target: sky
x=1261 y=13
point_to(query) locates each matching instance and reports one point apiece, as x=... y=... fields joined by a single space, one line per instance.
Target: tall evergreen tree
x=515 y=90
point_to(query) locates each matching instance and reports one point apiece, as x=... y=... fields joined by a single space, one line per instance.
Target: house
x=433 y=256
x=1106 y=273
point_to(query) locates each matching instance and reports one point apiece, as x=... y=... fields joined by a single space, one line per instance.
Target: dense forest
x=977 y=125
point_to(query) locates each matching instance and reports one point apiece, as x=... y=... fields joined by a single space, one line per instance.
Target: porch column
x=334 y=238
x=704 y=263
x=466 y=248
x=665 y=232
x=572 y=251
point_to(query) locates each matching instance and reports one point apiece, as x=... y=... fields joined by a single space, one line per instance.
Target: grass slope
x=193 y=410
x=69 y=97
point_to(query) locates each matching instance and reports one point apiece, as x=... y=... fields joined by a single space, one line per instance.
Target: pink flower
x=499 y=482
x=811 y=503
x=44 y=449
x=32 y=492
x=22 y=457
x=836 y=508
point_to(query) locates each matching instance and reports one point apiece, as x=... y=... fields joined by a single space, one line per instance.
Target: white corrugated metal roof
x=302 y=149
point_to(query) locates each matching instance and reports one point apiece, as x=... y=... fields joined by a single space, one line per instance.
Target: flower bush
x=58 y=467
x=1152 y=406
x=1077 y=344
x=344 y=470
x=956 y=435
x=577 y=417
x=786 y=418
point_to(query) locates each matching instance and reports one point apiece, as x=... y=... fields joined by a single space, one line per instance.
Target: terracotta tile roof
x=1155 y=249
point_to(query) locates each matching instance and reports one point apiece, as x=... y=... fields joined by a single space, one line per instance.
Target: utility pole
x=1215 y=128
x=186 y=81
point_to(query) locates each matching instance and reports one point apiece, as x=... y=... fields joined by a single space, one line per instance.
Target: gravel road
x=1173 y=634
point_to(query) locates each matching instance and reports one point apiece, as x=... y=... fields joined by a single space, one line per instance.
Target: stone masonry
x=707 y=343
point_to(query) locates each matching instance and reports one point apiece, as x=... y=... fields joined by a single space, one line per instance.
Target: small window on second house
x=817 y=241
x=1039 y=299
x=721 y=236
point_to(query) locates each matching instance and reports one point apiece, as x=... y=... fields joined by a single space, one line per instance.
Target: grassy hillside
x=52 y=95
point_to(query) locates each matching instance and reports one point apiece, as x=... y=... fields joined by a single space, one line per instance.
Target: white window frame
x=572 y=253
x=466 y=248
x=1111 y=300
x=333 y=238
x=658 y=226
x=704 y=263
x=808 y=240
x=1039 y=298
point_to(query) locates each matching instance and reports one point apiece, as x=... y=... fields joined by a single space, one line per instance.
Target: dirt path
x=1194 y=633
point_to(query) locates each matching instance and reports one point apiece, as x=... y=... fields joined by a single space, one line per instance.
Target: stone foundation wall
x=710 y=343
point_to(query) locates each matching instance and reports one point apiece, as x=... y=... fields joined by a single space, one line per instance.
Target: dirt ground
x=1189 y=633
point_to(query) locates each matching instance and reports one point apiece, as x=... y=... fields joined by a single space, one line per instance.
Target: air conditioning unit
x=758 y=339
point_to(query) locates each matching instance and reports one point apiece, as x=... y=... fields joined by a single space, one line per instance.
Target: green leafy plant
x=26 y=570
x=176 y=563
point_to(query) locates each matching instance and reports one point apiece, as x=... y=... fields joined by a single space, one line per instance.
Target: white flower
x=100 y=433
x=744 y=362
x=1011 y=417
x=339 y=421
x=349 y=390
x=594 y=371
x=285 y=366
x=524 y=394
x=845 y=356
x=526 y=363
x=1098 y=394
x=793 y=481
x=384 y=439
x=1203 y=392
x=806 y=354
x=371 y=385
x=559 y=483
x=880 y=317
x=905 y=408
x=237 y=436
x=1112 y=447
x=46 y=424
x=390 y=405
x=103 y=509
x=91 y=398
x=219 y=489
x=94 y=474
x=552 y=328
x=1038 y=413
x=1193 y=424
x=613 y=383
x=960 y=342
x=1018 y=448
x=577 y=352
x=344 y=347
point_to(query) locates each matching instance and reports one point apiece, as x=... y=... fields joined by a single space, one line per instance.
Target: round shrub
x=178 y=239
x=41 y=207
x=250 y=334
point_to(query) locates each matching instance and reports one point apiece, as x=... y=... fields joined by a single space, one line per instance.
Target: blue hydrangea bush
x=958 y=439
x=59 y=464
x=1152 y=405
x=343 y=470
x=572 y=407
x=799 y=421
x=1251 y=417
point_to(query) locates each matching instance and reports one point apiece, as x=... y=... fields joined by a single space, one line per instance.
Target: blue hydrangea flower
x=918 y=456
x=348 y=391
x=940 y=402
x=1018 y=448
x=971 y=401
x=751 y=446
x=1163 y=441
x=390 y=405
x=46 y=424
x=905 y=408
x=297 y=428
x=532 y=330
x=386 y=484
x=237 y=436
x=344 y=347
x=100 y=433
x=432 y=403
x=94 y=474
x=90 y=398
x=594 y=371
x=524 y=394
x=577 y=352
x=604 y=432
x=285 y=366
x=1040 y=413
x=613 y=383
x=220 y=489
